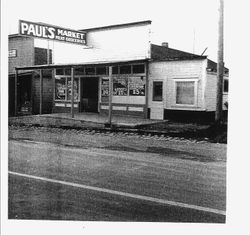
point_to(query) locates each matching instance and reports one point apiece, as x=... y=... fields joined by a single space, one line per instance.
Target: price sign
x=137 y=86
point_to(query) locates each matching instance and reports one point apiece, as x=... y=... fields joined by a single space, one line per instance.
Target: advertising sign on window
x=76 y=90
x=105 y=87
x=60 y=93
x=120 y=86
x=137 y=86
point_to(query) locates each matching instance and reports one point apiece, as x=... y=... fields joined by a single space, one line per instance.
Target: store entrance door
x=89 y=94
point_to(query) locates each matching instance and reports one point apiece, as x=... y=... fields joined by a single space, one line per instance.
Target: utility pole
x=220 y=66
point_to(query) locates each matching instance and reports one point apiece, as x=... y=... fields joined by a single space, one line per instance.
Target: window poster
x=120 y=86
x=60 y=93
x=105 y=89
x=76 y=89
x=137 y=86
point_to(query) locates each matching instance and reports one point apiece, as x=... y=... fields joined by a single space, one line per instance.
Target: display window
x=63 y=88
x=137 y=86
x=120 y=86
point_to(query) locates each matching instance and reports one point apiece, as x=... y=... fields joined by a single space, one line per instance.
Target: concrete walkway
x=98 y=118
x=81 y=120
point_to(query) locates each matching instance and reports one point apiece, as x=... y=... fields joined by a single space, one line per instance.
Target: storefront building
x=147 y=80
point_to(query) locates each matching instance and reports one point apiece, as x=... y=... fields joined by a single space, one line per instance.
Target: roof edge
x=118 y=25
x=46 y=66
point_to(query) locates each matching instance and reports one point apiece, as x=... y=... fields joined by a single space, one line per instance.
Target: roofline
x=178 y=59
x=18 y=35
x=118 y=25
x=190 y=54
x=51 y=66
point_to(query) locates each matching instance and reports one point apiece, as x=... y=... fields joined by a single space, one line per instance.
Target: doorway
x=89 y=94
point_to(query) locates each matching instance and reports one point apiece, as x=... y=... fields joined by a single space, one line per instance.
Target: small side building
x=183 y=85
x=22 y=53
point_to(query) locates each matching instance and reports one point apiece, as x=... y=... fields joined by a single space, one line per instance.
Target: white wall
x=113 y=44
x=171 y=71
x=210 y=92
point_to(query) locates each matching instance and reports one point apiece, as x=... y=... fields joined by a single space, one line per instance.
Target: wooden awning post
x=146 y=91
x=72 y=92
x=41 y=92
x=16 y=77
x=110 y=96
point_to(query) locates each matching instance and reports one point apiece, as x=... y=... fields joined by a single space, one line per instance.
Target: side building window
x=225 y=86
x=157 y=90
x=185 y=92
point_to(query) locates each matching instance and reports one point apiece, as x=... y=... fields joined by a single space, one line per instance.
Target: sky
x=189 y=25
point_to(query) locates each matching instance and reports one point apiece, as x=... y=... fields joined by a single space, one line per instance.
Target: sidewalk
x=82 y=120
x=125 y=123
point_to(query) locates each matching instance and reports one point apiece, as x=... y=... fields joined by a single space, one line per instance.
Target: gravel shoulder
x=123 y=141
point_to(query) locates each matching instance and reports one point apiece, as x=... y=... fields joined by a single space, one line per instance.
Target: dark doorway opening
x=89 y=94
x=24 y=104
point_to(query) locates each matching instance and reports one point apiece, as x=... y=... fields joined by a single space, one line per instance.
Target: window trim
x=195 y=80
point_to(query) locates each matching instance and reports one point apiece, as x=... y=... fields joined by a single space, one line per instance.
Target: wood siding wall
x=170 y=71
x=210 y=92
x=47 y=94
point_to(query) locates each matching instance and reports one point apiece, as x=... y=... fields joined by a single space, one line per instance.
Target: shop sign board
x=50 y=32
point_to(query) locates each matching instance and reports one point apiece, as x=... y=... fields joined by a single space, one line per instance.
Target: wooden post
x=48 y=56
x=146 y=91
x=72 y=92
x=16 y=77
x=110 y=96
x=41 y=92
x=220 y=67
x=54 y=88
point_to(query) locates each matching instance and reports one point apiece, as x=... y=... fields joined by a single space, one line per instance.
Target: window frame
x=193 y=80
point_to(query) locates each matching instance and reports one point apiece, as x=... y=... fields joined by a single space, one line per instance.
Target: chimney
x=165 y=44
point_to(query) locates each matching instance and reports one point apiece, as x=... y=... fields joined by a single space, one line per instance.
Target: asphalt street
x=86 y=176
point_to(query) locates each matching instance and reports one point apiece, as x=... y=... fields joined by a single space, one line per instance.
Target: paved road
x=114 y=178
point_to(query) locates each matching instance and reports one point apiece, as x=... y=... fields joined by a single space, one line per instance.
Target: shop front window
x=63 y=88
x=76 y=89
x=137 y=86
x=120 y=86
